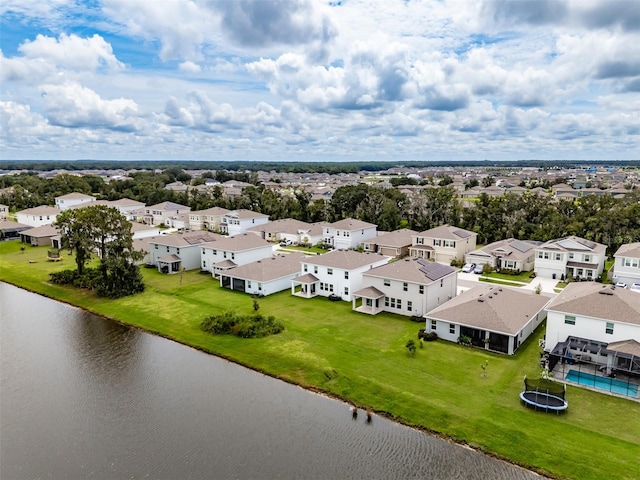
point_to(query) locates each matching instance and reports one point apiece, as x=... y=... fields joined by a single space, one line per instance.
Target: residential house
x=37 y=216
x=239 y=221
x=39 y=236
x=142 y=230
x=126 y=205
x=287 y=230
x=348 y=233
x=411 y=287
x=208 y=219
x=492 y=317
x=4 y=212
x=179 y=251
x=229 y=252
x=63 y=202
x=337 y=273
x=443 y=244
x=265 y=276
x=511 y=253
x=626 y=267
x=391 y=244
x=10 y=230
x=596 y=323
x=570 y=257
x=159 y=213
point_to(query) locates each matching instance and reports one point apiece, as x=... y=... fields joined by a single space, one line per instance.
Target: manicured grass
x=521 y=277
x=361 y=358
x=499 y=282
x=312 y=249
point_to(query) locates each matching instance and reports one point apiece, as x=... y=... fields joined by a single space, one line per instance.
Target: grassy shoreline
x=329 y=349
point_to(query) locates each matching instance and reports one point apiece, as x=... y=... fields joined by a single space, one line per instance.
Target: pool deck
x=560 y=371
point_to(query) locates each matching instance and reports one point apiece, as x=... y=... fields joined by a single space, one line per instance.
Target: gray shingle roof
x=629 y=250
x=414 y=270
x=268 y=269
x=447 y=232
x=345 y=259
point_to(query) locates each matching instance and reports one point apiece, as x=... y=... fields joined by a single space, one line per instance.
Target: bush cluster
x=104 y=284
x=245 y=326
x=427 y=336
x=89 y=278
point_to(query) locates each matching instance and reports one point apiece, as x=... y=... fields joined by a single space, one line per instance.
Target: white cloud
x=189 y=67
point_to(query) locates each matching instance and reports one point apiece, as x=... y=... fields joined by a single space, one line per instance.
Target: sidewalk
x=468 y=280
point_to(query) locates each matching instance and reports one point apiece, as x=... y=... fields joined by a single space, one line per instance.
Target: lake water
x=87 y=398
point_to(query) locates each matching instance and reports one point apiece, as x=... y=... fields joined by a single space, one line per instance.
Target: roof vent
x=480 y=299
x=606 y=291
x=490 y=296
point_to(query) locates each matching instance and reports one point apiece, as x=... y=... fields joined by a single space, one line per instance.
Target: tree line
x=601 y=218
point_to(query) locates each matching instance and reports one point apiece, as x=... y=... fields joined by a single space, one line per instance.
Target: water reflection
x=83 y=397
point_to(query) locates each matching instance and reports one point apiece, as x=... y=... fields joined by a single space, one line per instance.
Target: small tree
x=538 y=289
x=256 y=305
x=22 y=249
x=484 y=368
x=411 y=347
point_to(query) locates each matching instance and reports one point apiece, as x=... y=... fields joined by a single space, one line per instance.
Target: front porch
x=368 y=300
x=305 y=286
x=421 y=251
x=169 y=264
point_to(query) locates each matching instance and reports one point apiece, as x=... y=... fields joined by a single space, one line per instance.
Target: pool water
x=603 y=383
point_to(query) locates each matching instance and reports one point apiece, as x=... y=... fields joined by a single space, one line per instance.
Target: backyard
x=327 y=347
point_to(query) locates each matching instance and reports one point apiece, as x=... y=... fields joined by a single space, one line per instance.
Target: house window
x=346 y=275
x=434 y=325
x=410 y=305
x=329 y=271
x=437 y=243
x=405 y=286
x=315 y=269
x=167 y=249
x=224 y=254
x=156 y=246
x=571 y=256
x=386 y=301
x=304 y=267
x=557 y=256
x=546 y=255
x=248 y=283
x=215 y=252
x=204 y=264
x=421 y=289
x=178 y=251
x=233 y=256
x=387 y=282
x=569 y=319
x=331 y=288
x=259 y=286
x=452 y=329
x=609 y=328
x=346 y=290
x=539 y=254
x=587 y=259
x=442 y=282
x=398 y=303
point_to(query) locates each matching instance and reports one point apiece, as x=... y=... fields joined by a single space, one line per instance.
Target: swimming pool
x=603 y=383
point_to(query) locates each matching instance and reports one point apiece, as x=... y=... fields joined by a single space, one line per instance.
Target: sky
x=299 y=80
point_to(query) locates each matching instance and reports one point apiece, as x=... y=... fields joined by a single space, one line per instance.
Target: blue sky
x=295 y=80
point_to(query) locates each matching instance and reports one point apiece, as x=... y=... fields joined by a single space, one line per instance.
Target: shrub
x=417 y=318
x=245 y=326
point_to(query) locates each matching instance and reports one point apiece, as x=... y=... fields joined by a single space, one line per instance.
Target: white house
x=348 y=233
x=126 y=205
x=177 y=251
x=493 y=317
x=411 y=287
x=72 y=199
x=627 y=264
x=337 y=273
x=239 y=221
x=511 y=253
x=208 y=219
x=230 y=252
x=159 y=213
x=591 y=322
x=141 y=230
x=4 y=212
x=265 y=276
x=443 y=244
x=570 y=257
x=287 y=229
x=37 y=216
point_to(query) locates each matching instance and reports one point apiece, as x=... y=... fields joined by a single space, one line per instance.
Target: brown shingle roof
x=447 y=232
x=500 y=309
x=399 y=238
x=629 y=250
x=584 y=298
x=351 y=224
x=268 y=269
x=185 y=239
x=239 y=243
x=345 y=259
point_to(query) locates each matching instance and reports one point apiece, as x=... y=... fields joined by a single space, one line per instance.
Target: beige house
x=208 y=219
x=443 y=244
x=511 y=253
x=392 y=244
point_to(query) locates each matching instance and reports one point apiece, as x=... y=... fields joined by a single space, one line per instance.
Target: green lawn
x=362 y=358
x=499 y=282
x=521 y=277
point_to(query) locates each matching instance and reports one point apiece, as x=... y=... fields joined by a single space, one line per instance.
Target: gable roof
x=398 y=238
x=351 y=224
x=498 y=309
x=41 y=231
x=629 y=250
x=186 y=239
x=239 y=243
x=584 y=298
x=415 y=270
x=286 y=225
x=168 y=206
x=630 y=347
x=40 y=210
x=75 y=196
x=447 y=232
x=345 y=259
x=268 y=269
x=243 y=213
x=210 y=211
x=511 y=249
x=573 y=244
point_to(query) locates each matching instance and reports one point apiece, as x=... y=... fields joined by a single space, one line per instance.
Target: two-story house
x=37 y=216
x=208 y=219
x=626 y=267
x=411 y=287
x=287 y=230
x=597 y=324
x=239 y=221
x=161 y=212
x=4 y=212
x=570 y=257
x=348 y=233
x=178 y=251
x=337 y=273
x=72 y=199
x=443 y=244
x=511 y=253
x=227 y=253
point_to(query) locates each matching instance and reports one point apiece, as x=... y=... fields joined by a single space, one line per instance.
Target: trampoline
x=544 y=395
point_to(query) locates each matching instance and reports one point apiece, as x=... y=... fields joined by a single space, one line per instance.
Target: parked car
x=468 y=267
x=635 y=287
x=621 y=285
x=478 y=269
